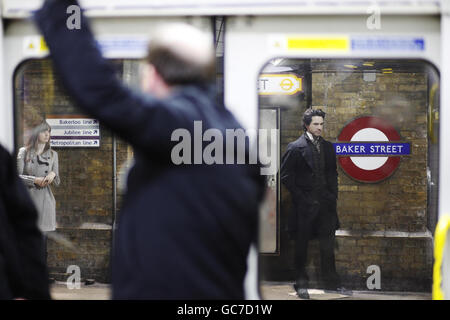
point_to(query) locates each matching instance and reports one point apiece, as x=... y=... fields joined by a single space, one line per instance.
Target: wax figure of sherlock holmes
x=309 y=172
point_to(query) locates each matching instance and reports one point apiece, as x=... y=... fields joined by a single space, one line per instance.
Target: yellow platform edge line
x=440 y=238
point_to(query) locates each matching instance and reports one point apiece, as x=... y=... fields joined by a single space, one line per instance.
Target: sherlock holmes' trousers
x=316 y=226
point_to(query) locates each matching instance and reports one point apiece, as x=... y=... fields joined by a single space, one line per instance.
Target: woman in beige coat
x=37 y=165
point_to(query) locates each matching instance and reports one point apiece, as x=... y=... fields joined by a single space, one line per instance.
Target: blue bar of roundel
x=372 y=148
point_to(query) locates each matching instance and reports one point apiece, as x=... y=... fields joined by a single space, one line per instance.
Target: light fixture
x=276 y=62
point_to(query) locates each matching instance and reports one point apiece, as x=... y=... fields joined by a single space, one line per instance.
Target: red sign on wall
x=369 y=149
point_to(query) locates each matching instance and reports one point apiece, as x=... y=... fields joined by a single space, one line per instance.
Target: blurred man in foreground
x=185 y=229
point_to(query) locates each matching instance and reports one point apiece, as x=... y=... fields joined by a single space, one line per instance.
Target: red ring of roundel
x=382 y=172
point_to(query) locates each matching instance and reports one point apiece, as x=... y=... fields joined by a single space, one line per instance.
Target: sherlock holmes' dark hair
x=309 y=113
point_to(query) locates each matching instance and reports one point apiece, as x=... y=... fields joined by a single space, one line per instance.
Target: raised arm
x=145 y=122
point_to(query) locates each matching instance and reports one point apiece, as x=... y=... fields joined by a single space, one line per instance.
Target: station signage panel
x=369 y=149
x=279 y=84
x=74 y=132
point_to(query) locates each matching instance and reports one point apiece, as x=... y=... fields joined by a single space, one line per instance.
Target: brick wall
x=399 y=203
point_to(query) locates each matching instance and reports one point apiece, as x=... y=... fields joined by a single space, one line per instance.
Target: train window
x=80 y=206
x=381 y=120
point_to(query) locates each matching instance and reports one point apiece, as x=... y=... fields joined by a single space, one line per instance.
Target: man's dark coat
x=23 y=269
x=298 y=177
x=184 y=231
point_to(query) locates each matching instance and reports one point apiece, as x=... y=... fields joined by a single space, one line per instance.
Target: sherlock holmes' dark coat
x=298 y=177
x=185 y=230
x=23 y=270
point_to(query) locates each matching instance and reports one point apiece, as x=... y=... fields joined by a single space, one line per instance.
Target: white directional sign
x=74 y=132
x=279 y=84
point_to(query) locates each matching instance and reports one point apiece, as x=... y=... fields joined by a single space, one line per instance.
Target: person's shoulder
x=291 y=146
x=299 y=143
x=4 y=154
x=5 y=162
x=199 y=94
x=191 y=91
x=186 y=101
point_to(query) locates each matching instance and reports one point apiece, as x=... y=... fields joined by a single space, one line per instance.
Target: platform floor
x=285 y=291
x=269 y=291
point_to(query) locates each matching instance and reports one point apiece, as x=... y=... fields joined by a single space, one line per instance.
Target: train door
x=92 y=161
x=379 y=86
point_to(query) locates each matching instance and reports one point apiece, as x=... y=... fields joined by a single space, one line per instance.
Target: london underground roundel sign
x=369 y=149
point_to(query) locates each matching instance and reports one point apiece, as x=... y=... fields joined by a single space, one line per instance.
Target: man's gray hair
x=182 y=54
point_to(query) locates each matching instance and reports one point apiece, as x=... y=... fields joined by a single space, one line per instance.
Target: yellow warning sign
x=34 y=45
x=325 y=43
